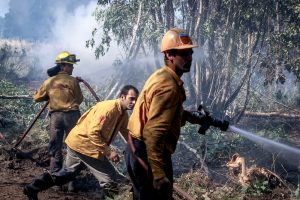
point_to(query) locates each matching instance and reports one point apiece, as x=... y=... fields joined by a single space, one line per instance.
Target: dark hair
x=126 y=88
x=172 y=52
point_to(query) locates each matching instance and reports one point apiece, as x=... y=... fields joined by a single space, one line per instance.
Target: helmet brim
x=189 y=46
x=68 y=62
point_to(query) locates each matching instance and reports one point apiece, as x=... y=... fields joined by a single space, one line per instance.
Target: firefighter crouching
x=88 y=144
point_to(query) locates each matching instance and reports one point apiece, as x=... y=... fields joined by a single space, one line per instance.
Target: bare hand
x=113 y=156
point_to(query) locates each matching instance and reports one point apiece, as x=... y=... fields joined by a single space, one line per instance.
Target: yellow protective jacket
x=62 y=91
x=156 y=118
x=97 y=127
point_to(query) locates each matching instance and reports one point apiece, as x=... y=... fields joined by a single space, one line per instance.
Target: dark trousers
x=142 y=178
x=61 y=123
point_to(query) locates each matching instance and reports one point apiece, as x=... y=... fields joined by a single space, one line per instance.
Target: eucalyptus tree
x=236 y=38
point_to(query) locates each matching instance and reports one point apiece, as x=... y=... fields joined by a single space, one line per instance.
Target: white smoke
x=70 y=33
x=4 y=7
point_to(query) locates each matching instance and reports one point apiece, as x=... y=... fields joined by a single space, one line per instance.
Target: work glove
x=163 y=187
x=203 y=118
x=79 y=79
x=205 y=123
x=224 y=125
x=194 y=117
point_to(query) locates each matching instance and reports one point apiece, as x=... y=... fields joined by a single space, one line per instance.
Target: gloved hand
x=205 y=123
x=194 y=117
x=79 y=79
x=163 y=187
x=224 y=126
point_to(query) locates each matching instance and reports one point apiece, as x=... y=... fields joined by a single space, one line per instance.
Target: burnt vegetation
x=246 y=70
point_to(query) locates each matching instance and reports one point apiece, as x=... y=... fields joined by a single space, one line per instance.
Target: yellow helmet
x=66 y=57
x=176 y=38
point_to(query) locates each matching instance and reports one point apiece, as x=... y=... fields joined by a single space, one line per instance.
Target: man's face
x=68 y=68
x=183 y=60
x=128 y=101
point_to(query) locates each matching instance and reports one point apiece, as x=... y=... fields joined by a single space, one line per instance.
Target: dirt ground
x=19 y=168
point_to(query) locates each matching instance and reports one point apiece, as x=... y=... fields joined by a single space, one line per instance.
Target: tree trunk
x=135 y=30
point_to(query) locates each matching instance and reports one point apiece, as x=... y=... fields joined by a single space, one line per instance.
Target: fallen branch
x=203 y=165
x=279 y=179
x=15 y=97
x=271 y=115
x=182 y=193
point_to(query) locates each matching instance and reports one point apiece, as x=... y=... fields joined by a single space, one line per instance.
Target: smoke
x=70 y=31
x=4 y=7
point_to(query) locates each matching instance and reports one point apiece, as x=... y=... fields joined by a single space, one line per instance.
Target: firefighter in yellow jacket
x=154 y=125
x=64 y=95
x=88 y=144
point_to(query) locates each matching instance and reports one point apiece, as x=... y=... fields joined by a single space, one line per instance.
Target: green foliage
x=219 y=146
x=16 y=114
x=118 y=19
x=240 y=43
x=272 y=132
x=39 y=134
x=257 y=188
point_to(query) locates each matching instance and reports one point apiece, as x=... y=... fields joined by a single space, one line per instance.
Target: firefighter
x=154 y=125
x=64 y=95
x=88 y=144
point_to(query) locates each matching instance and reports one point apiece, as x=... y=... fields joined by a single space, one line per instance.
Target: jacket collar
x=174 y=75
x=62 y=72
x=118 y=102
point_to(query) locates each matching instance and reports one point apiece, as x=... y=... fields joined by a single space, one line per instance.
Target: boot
x=42 y=183
x=72 y=186
x=55 y=164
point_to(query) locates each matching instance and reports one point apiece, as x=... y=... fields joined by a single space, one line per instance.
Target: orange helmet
x=176 y=38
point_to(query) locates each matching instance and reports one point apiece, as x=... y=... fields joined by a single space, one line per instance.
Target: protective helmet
x=176 y=38
x=66 y=57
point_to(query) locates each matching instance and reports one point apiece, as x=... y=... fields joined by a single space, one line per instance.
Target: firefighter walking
x=64 y=95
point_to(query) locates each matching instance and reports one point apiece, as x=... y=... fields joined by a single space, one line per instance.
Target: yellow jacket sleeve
x=99 y=123
x=123 y=129
x=41 y=93
x=160 y=117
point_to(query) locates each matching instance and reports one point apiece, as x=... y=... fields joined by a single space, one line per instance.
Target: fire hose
x=175 y=187
x=30 y=125
x=44 y=107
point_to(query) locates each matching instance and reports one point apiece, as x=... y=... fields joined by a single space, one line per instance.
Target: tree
x=236 y=38
x=16 y=63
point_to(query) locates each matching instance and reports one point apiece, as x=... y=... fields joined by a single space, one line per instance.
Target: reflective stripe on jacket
x=156 y=117
x=62 y=90
x=97 y=127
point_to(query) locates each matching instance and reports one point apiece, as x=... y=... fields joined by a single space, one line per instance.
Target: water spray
x=270 y=145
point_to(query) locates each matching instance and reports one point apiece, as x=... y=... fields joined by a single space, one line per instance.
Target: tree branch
x=15 y=97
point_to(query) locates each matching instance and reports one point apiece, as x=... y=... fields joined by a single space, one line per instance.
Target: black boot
x=42 y=183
